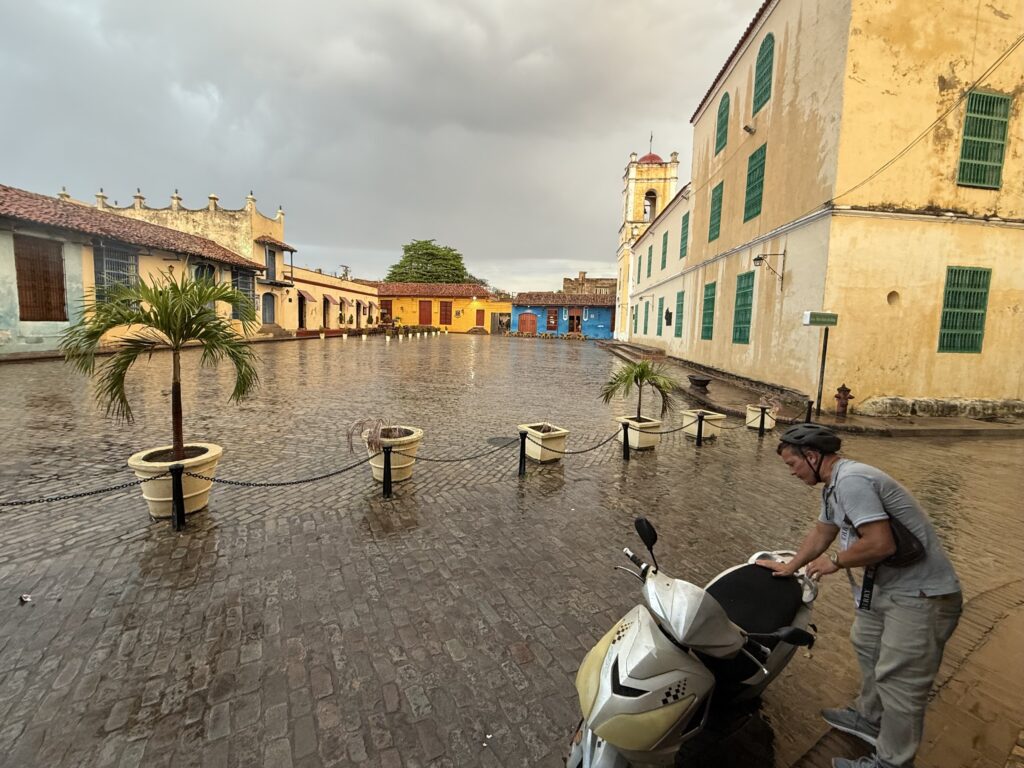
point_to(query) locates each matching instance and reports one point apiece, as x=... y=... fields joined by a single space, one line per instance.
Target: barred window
x=114 y=264
x=245 y=282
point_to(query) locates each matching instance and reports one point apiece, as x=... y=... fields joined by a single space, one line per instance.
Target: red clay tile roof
x=553 y=299
x=453 y=290
x=735 y=51
x=40 y=209
x=268 y=240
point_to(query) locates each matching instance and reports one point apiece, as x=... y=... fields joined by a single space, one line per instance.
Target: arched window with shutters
x=763 y=72
x=722 y=126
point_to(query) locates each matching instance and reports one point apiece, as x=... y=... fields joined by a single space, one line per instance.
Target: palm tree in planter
x=640 y=375
x=166 y=312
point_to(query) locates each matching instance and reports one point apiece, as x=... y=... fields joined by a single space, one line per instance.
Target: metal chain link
x=665 y=432
x=255 y=484
x=615 y=434
x=81 y=494
x=467 y=458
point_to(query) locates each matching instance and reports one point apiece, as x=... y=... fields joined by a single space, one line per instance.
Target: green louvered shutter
x=679 y=315
x=636 y=315
x=707 y=323
x=664 y=249
x=684 y=235
x=647 y=312
x=743 y=311
x=964 y=305
x=755 y=183
x=984 y=142
x=716 y=212
x=763 y=73
x=639 y=266
x=650 y=258
x=661 y=314
x=722 y=126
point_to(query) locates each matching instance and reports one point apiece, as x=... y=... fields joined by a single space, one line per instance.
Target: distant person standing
x=908 y=601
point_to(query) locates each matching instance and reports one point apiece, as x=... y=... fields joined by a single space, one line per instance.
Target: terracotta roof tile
x=453 y=290
x=39 y=209
x=268 y=240
x=554 y=299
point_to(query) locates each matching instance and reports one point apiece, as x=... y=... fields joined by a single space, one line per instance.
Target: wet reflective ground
x=320 y=625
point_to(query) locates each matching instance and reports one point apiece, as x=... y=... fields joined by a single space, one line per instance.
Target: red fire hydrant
x=843 y=398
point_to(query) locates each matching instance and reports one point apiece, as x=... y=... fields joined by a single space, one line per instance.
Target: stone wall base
x=930 y=406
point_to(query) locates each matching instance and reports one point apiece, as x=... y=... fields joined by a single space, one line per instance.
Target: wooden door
x=269 y=306
x=552 y=325
x=528 y=323
x=480 y=318
x=385 y=311
x=575 y=321
x=425 y=312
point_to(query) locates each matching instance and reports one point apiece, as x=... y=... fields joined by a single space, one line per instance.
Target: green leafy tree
x=424 y=261
x=165 y=312
x=642 y=374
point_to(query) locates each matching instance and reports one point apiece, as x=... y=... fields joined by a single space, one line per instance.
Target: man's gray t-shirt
x=858 y=494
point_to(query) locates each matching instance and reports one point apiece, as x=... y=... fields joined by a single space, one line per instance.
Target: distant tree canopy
x=424 y=261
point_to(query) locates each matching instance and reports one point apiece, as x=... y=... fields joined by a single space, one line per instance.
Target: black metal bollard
x=178 y=496
x=387 y=472
x=625 y=441
x=810 y=407
x=700 y=428
x=760 y=423
x=522 y=453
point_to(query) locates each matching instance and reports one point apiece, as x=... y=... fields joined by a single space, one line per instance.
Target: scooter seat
x=755 y=600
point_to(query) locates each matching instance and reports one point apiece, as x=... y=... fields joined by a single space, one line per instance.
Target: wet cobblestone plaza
x=318 y=624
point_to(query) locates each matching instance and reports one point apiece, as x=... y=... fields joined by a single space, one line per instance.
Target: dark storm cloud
x=500 y=127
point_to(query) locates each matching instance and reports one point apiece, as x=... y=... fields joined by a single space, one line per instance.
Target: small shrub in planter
x=642 y=374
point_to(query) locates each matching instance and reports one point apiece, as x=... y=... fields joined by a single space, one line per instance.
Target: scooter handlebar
x=633 y=558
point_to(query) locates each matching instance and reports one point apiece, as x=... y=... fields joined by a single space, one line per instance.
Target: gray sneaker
x=849 y=721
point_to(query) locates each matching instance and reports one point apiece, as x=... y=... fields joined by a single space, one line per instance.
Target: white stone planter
x=712 y=423
x=322 y=335
x=158 y=493
x=639 y=437
x=754 y=417
x=401 y=466
x=549 y=436
x=344 y=336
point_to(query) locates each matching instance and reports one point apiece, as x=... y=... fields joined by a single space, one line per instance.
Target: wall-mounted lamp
x=749 y=129
x=761 y=260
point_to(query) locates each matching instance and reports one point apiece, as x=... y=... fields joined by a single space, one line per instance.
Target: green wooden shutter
x=661 y=314
x=684 y=235
x=755 y=183
x=743 y=311
x=636 y=315
x=722 y=126
x=664 y=249
x=984 y=142
x=964 y=305
x=650 y=257
x=639 y=266
x=707 y=323
x=679 y=315
x=763 y=73
x=716 y=212
x=647 y=312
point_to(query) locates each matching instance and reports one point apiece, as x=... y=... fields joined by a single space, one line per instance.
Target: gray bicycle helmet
x=817 y=437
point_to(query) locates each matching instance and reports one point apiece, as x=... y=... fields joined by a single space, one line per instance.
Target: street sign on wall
x=821 y=318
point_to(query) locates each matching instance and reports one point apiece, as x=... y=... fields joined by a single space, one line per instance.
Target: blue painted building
x=593 y=315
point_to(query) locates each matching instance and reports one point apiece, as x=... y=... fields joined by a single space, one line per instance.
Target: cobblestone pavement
x=322 y=625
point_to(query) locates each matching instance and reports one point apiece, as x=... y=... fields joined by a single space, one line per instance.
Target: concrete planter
x=640 y=438
x=401 y=466
x=549 y=436
x=754 y=417
x=158 y=493
x=712 y=423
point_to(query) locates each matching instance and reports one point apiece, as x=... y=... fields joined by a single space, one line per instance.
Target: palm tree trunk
x=639 y=400
x=179 y=438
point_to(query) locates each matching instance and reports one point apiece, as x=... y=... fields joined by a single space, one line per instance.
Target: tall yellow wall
x=907 y=66
x=407 y=309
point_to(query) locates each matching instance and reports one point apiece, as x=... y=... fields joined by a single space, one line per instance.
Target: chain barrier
x=664 y=432
x=513 y=441
x=615 y=434
x=257 y=484
x=81 y=494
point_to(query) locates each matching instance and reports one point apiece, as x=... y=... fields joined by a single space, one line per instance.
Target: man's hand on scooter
x=778 y=569
x=821 y=566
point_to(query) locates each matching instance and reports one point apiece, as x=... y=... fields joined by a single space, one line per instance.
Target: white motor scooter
x=647 y=686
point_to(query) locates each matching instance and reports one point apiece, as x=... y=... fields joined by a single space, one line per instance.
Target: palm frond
x=642 y=374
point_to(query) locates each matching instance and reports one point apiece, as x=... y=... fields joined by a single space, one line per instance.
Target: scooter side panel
x=589 y=751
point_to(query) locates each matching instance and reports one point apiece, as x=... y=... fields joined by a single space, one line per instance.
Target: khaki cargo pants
x=899 y=644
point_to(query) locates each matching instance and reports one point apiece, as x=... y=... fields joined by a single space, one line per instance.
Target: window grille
x=964 y=306
x=984 y=141
x=114 y=264
x=744 y=308
x=244 y=282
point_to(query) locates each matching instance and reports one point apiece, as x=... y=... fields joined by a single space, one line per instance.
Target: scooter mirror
x=795 y=636
x=646 y=531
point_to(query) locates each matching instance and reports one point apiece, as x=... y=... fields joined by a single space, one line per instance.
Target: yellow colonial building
x=455 y=307
x=852 y=158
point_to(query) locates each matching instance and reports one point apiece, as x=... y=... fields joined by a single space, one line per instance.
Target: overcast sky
x=498 y=127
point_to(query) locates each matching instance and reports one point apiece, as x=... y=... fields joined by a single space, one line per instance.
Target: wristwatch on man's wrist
x=834 y=557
